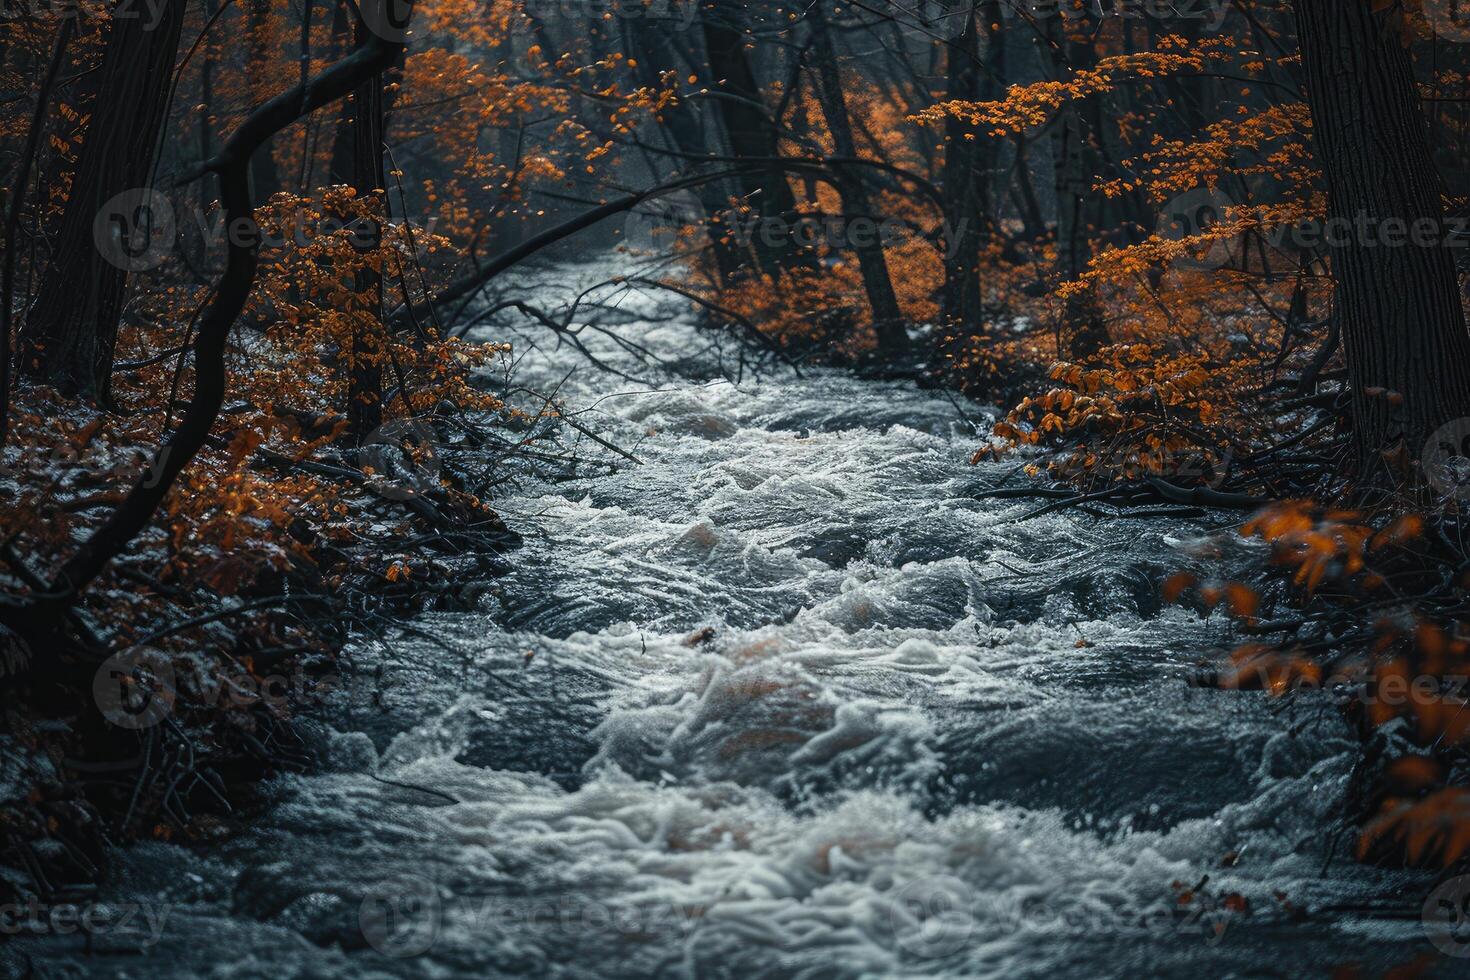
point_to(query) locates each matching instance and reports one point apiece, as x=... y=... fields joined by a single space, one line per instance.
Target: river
x=788 y=698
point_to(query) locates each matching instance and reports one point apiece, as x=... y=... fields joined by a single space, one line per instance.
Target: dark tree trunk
x=1023 y=192
x=968 y=206
x=260 y=58
x=1403 y=325
x=357 y=160
x=69 y=336
x=856 y=205
x=38 y=618
x=752 y=134
x=206 y=101
x=14 y=198
x=1082 y=331
x=681 y=124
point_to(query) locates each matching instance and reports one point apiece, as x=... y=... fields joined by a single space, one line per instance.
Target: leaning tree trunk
x=856 y=205
x=69 y=336
x=37 y=619
x=1403 y=325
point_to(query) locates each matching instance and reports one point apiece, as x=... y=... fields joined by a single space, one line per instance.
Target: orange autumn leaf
x=1175 y=585
x=1242 y=600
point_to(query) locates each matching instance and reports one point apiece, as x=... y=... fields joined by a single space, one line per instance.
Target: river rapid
x=788 y=698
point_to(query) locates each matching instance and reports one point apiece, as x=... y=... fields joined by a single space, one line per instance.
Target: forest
x=750 y=488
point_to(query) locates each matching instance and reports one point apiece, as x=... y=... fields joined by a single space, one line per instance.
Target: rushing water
x=923 y=736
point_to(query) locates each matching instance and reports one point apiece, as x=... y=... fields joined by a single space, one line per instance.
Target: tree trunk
x=69 y=336
x=206 y=136
x=1082 y=331
x=260 y=59
x=856 y=205
x=1403 y=325
x=966 y=183
x=357 y=160
x=680 y=123
x=37 y=619
x=752 y=134
x=14 y=198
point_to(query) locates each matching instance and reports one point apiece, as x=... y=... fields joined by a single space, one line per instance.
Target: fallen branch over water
x=1149 y=491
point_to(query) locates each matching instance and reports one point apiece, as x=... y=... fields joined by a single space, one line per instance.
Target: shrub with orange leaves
x=1331 y=547
x=1138 y=413
x=1433 y=830
x=1383 y=626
